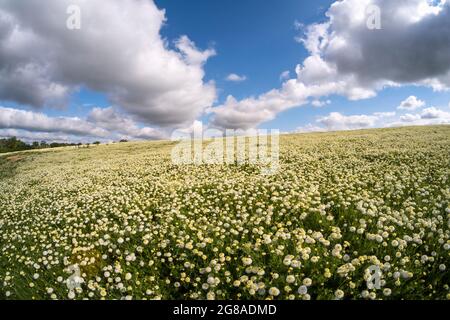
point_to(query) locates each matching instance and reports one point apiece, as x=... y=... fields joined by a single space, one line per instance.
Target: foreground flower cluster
x=121 y=222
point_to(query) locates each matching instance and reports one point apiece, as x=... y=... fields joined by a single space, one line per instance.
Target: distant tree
x=13 y=144
x=123 y=140
x=96 y=143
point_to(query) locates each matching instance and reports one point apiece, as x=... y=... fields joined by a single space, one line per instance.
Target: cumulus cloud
x=233 y=77
x=410 y=117
x=384 y=114
x=246 y=113
x=285 y=75
x=411 y=103
x=190 y=52
x=434 y=113
x=106 y=123
x=33 y=121
x=319 y=103
x=347 y=58
x=428 y=116
x=336 y=121
x=310 y=128
x=412 y=46
x=250 y=112
x=118 y=51
x=116 y=122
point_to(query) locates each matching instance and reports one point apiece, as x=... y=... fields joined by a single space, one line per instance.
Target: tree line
x=13 y=144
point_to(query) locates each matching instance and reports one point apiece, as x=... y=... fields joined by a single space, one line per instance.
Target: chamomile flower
x=273 y=291
x=303 y=290
x=339 y=294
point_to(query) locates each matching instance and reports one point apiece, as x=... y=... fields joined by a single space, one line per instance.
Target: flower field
x=121 y=221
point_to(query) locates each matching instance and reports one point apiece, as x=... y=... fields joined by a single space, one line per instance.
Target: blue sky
x=257 y=40
x=252 y=37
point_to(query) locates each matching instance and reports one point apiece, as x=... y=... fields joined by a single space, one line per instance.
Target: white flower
x=71 y=295
x=339 y=294
x=303 y=289
x=307 y=282
x=274 y=291
x=290 y=279
x=288 y=260
x=137 y=225
x=387 y=292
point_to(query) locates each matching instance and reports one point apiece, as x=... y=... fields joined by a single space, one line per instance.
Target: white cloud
x=233 y=77
x=319 y=103
x=310 y=128
x=384 y=114
x=285 y=75
x=428 y=116
x=410 y=117
x=104 y=123
x=118 y=51
x=434 y=113
x=336 y=121
x=248 y=112
x=33 y=121
x=411 y=103
x=121 y=124
x=298 y=25
x=348 y=59
x=252 y=111
x=408 y=49
x=190 y=52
